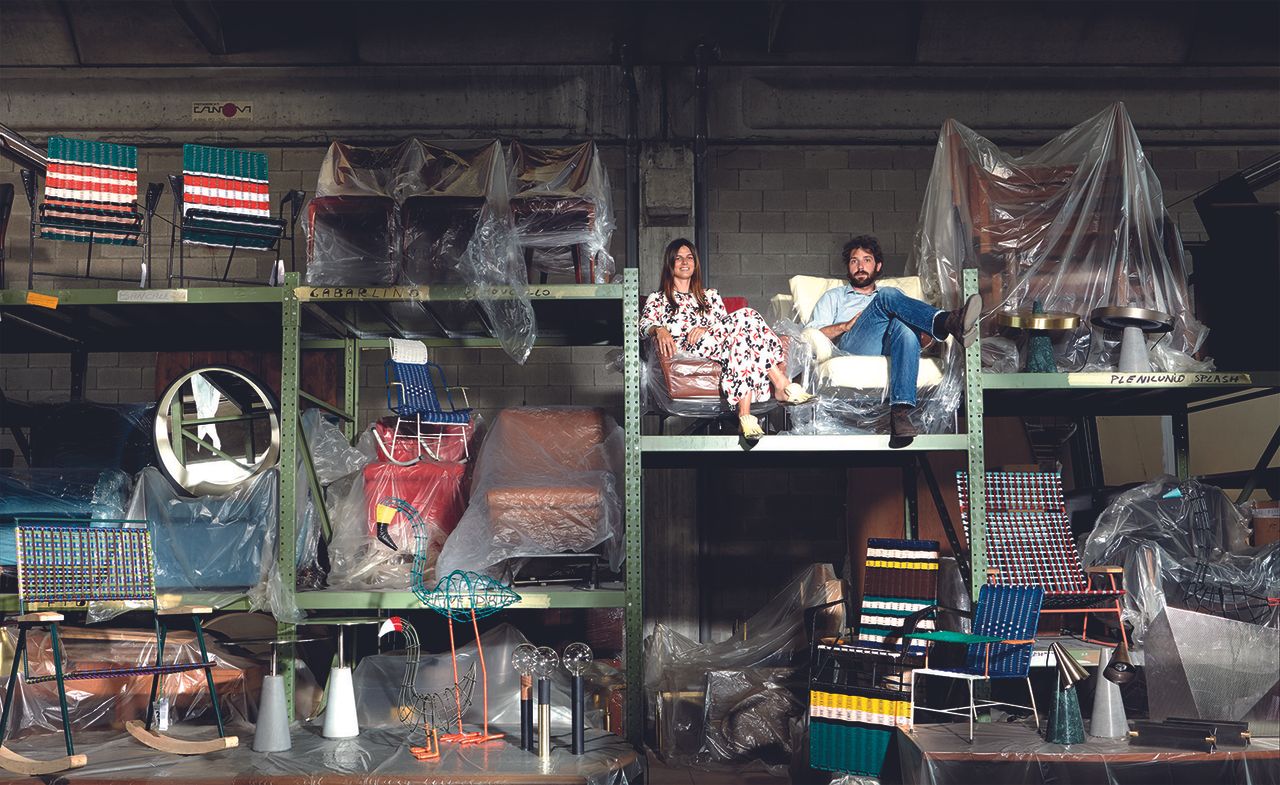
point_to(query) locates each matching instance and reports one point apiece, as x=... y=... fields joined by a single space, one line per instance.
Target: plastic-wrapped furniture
x=833 y=369
x=687 y=386
x=857 y=691
x=91 y=197
x=109 y=563
x=411 y=394
x=547 y=480
x=1004 y=630
x=349 y=240
x=560 y=200
x=1029 y=544
x=221 y=200
x=1076 y=224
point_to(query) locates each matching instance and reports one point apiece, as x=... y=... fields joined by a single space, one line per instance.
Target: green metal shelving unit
x=352 y=320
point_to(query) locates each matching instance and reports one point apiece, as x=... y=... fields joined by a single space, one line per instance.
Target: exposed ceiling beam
x=202 y=18
x=71 y=30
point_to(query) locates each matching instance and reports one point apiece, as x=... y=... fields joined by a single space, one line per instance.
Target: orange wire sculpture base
x=432 y=749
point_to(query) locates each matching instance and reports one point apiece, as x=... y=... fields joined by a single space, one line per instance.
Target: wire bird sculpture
x=431 y=710
x=459 y=596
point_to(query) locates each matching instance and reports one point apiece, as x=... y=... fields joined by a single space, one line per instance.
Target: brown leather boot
x=962 y=321
x=901 y=429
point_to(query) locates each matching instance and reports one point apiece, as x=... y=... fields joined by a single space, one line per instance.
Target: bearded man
x=862 y=318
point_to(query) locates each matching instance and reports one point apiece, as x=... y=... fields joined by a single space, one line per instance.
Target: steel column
x=701 y=175
x=634 y=612
x=1181 y=444
x=977 y=458
x=351 y=388
x=287 y=546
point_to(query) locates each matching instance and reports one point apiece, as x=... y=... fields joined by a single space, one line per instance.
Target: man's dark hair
x=864 y=242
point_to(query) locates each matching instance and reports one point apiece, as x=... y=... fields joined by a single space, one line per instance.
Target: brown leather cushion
x=542 y=440
x=693 y=377
x=554 y=517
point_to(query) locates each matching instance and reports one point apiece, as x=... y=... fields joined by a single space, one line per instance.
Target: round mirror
x=216 y=427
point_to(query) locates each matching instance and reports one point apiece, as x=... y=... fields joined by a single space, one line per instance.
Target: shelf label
x=1181 y=379
x=151 y=296
x=42 y=300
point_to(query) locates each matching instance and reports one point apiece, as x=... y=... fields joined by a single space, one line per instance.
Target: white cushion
x=807 y=289
x=865 y=372
x=821 y=345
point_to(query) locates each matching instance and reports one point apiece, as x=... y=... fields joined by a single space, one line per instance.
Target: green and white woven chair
x=91 y=197
x=66 y=566
x=222 y=200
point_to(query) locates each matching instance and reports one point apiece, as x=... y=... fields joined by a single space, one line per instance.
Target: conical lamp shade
x=1070 y=672
x=1120 y=669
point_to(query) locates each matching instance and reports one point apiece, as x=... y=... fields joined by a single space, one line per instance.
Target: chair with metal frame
x=67 y=566
x=221 y=200
x=411 y=394
x=1029 y=544
x=90 y=196
x=1004 y=630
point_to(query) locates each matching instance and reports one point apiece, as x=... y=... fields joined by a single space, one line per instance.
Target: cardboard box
x=1266 y=522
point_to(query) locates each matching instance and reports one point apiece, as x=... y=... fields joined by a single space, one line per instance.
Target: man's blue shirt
x=838 y=305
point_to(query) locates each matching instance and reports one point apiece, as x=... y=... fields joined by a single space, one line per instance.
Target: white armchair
x=844 y=370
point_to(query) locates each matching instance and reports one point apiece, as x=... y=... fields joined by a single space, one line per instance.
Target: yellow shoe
x=750 y=427
x=794 y=393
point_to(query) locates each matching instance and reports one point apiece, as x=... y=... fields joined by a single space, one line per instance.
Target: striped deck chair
x=222 y=201
x=90 y=196
x=1029 y=544
x=857 y=693
x=66 y=567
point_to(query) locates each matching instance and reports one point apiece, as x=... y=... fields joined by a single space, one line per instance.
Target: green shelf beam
x=206 y=295
x=530 y=599
x=453 y=293
x=1227 y=381
x=787 y=443
x=220 y=601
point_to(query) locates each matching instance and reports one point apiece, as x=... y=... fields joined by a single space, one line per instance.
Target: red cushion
x=732 y=304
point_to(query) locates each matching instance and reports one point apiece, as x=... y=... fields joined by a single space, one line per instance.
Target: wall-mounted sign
x=222 y=110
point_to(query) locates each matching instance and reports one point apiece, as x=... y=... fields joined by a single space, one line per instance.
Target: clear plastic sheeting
x=221 y=544
x=1075 y=225
x=424 y=213
x=375 y=757
x=358 y=560
x=378 y=679
x=332 y=458
x=560 y=199
x=853 y=390
x=45 y=495
x=741 y=700
x=1017 y=755
x=1177 y=557
x=547 y=480
x=100 y=703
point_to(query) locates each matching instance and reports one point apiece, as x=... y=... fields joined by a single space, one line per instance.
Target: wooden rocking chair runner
x=67 y=566
x=1029 y=544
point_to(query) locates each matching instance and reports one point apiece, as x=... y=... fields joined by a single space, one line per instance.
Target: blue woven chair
x=411 y=394
x=1004 y=629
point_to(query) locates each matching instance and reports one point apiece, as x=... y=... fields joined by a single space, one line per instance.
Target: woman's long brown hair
x=668 y=281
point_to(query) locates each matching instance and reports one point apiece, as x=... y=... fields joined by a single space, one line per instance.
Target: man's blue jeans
x=888 y=327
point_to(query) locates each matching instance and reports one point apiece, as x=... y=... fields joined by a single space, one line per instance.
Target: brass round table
x=1038 y=325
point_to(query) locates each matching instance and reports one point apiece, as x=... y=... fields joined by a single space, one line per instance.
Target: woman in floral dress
x=684 y=317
